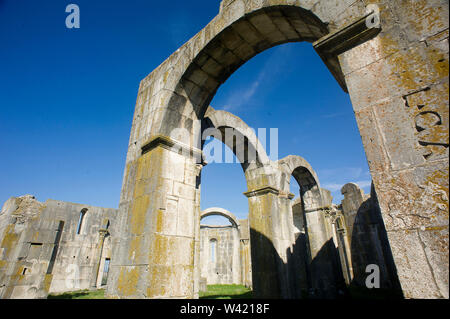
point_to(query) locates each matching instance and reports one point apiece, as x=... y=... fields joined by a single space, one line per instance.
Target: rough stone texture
x=222 y=266
x=398 y=84
x=399 y=91
x=42 y=252
x=364 y=237
x=231 y=257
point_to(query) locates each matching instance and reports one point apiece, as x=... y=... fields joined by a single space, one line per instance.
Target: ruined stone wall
x=217 y=267
x=232 y=263
x=349 y=236
x=41 y=252
x=365 y=238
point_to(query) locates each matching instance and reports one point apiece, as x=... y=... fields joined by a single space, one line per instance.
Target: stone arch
x=231 y=268
x=320 y=262
x=183 y=85
x=221 y=212
x=253 y=153
x=301 y=170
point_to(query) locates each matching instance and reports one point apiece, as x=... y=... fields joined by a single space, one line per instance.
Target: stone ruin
x=392 y=59
x=53 y=247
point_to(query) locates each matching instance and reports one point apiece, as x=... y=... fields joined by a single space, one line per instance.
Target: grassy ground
x=81 y=294
x=232 y=292
x=226 y=292
x=213 y=292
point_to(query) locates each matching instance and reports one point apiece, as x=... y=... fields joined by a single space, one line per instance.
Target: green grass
x=81 y=294
x=213 y=292
x=226 y=292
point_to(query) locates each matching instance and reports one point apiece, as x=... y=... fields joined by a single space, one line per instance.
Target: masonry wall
x=366 y=237
x=217 y=267
x=41 y=251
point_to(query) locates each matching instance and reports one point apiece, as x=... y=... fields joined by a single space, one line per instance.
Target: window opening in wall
x=105 y=271
x=213 y=244
x=80 y=221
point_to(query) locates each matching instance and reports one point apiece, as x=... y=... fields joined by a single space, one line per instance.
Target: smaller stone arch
x=304 y=174
x=221 y=212
x=254 y=152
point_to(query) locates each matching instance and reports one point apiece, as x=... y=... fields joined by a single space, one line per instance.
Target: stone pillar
x=236 y=263
x=287 y=242
x=156 y=253
x=398 y=84
x=246 y=266
x=301 y=251
x=367 y=238
x=268 y=271
x=95 y=277
x=325 y=277
x=197 y=213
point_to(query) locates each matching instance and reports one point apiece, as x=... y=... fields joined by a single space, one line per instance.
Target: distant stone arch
x=225 y=268
x=252 y=152
x=301 y=170
x=220 y=212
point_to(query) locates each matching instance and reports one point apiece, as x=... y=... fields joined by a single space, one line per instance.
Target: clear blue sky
x=67 y=98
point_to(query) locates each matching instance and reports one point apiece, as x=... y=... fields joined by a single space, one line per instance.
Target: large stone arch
x=395 y=79
x=183 y=85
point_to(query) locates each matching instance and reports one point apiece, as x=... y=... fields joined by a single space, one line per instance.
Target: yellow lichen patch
x=47 y=282
x=159 y=221
x=127 y=281
x=157 y=278
x=35 y=236
x=10 y=238
x=438 y=180
x=424 y=17
x=437 y=228
x=160 y=249
x=138 y=214
x=134 y=250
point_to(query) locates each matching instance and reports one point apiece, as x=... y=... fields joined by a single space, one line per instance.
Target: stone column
x=323 y=254
x=197 y=213
x=301 y=253
x=236 y=257
x=287 y=242
x=268 y=244
x=95 y=276
x=156 y=253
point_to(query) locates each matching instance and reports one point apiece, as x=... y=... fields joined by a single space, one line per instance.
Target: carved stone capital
x=172 y=145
